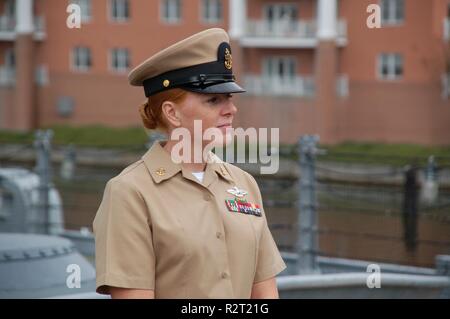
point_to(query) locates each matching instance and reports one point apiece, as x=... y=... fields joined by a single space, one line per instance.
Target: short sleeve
x=269 y=262
x=124 y=254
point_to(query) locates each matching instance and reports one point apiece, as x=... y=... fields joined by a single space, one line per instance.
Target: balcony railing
x=261 y=28
x=290 y=86
x=7 y=76
x=289 y=29
x=8 y=27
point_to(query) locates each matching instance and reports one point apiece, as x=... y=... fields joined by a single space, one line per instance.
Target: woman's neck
x=193 y=166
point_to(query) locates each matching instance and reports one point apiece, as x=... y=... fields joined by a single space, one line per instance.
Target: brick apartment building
x=310 y=66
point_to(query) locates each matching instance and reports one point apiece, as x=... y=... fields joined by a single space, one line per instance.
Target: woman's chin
x=220 y=141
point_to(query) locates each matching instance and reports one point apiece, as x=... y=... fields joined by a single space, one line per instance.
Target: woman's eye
x=213 y=100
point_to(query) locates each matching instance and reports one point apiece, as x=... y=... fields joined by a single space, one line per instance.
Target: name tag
x=242 y=206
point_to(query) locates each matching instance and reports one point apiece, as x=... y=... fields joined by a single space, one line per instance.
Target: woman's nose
x=230 y=108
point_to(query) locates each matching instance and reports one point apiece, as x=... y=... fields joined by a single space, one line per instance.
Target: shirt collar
x=161 y=167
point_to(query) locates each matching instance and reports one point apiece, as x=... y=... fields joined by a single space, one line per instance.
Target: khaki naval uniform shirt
x=159 y=228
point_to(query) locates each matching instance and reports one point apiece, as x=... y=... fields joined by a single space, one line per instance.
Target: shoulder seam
x=131 y=167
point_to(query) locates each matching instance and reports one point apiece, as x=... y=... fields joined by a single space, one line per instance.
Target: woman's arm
x=266 y=289
x=126 y=293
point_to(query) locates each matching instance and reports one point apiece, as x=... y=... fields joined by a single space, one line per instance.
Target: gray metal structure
x=39 y=266
x=43 y=144
x=347 y=279
x=353 y=285
x=21 y=208
x=307 y=242
x=35 y=266
x=311 y=276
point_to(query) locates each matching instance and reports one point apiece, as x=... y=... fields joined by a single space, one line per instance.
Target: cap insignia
x=228 y=60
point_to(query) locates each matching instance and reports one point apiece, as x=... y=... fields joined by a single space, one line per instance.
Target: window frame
x=9 y=58
x=291 y=5
x=111 y=59
x=84 y=18
x=10 y=8
x=392 y=12
x=167 y=19
x=394 y=60
x=113 y=19
x=73 y=59
x=293 y=8
x=287 y=60
x=219 y=8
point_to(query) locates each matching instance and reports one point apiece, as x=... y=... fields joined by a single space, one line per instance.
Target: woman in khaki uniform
x=166 y=229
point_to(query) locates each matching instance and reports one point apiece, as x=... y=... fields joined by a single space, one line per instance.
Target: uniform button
x=207 y=197
x=224 y=275
x=218 y=234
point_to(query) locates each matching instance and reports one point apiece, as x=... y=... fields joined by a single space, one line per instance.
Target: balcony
x=8 y=28
x=288 y=34
x=7 y=76
x=299 y=86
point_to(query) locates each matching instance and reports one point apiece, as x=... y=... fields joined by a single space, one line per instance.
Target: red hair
x=151 y=110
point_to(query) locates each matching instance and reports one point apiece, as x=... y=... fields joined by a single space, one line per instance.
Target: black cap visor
x=224 y=87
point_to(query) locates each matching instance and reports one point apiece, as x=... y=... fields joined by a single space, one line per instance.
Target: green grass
x=90 y=136
x=390 y=149
x=395 y=154
x=10 y=137
x=135 y=138
x=376 y=153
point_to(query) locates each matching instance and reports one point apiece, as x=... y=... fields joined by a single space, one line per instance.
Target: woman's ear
x=171 y=114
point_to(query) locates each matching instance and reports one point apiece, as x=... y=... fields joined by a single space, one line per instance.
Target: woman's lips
x=224 y=126
x=226 y=129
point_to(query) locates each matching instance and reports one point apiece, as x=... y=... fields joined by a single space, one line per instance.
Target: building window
x=282 y=68
x=8 y=69
x=65 y=106
x=81 y=59
x=10 y=8
x=41 y=75
x=8 y=17
x=120 y=10
x=171 y=11
x=212 y=11
x=280 y=18
x=390 y=66
x=392 y=11
x=85 y=8
x=119 y=60
x=10 y=58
